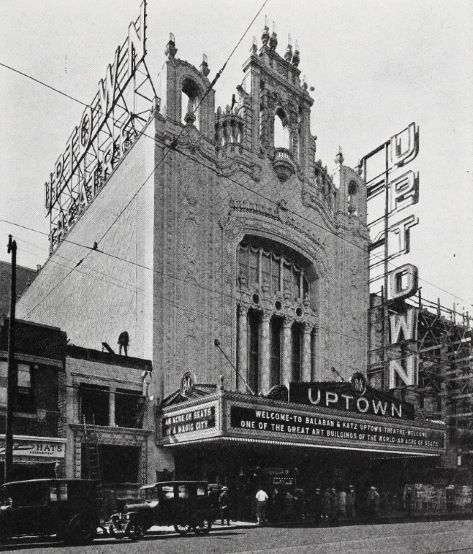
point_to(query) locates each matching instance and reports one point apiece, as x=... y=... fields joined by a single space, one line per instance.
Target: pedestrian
x=351 y=499
x=408 y=500
x=224 y=504
x=289 y=502
x=333 y=507
x=342 y=503
x=317 y=506
x=261 y=504
x=278 y=504
x=373 y=502
x=326 y=507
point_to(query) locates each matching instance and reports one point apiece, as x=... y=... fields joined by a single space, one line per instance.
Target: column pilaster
x=111 y=407
x=313 y=355
x=286 y=365
x=306 y=354
x=263 y=362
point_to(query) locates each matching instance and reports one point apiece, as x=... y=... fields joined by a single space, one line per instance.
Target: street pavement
x=421 y=537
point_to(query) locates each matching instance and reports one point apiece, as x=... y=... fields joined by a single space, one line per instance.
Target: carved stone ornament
x=231 y=225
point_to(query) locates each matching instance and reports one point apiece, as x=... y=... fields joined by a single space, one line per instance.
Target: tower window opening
x=281 y=130
x=189 y=103
x=352 y=197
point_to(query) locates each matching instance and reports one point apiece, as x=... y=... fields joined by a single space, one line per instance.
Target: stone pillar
x=263 y=355
x=286 y=365
x=111 y=407
x=242 y=349
x=306 y=376
x=313 y=354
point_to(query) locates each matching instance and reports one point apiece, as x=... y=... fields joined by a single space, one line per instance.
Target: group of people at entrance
x=323 y=507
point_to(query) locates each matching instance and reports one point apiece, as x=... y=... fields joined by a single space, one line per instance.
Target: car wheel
x=79 y=531
x=203 y=525
x=134 y=531
x=182 y=528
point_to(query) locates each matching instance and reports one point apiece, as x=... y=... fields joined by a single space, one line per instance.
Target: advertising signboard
x=107 y=128
x=339 y=431
x=36 y=446
x=189 y=421
x=344 y=397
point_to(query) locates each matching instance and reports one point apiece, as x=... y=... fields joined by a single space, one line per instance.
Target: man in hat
x=224 y=504
x=373 y=502
x=351 y=498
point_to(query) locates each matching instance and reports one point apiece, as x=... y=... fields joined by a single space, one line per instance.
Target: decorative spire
x=273 y=41
x=171 y=49
x=254 y=46
x=339 y=157
x=296 y=57
x=204 y=66
x=265 y=34
x=288 y=53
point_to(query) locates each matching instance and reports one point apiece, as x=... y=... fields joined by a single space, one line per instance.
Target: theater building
x=222 y=224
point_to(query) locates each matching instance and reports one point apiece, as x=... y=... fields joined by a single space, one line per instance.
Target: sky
x=374 y=65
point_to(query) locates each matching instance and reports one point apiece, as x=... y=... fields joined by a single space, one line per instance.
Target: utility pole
x=12 y=373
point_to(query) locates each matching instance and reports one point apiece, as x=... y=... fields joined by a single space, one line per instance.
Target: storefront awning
x=234 y=417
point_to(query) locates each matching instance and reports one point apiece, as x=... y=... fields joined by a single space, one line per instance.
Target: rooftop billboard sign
x=107 y=128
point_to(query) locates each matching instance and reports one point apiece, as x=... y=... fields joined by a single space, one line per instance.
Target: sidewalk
x=392 y=517
x=165 y=529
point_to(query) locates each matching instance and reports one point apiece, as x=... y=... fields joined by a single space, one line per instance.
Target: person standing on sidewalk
x=224 y=504
x=261 y=503
x=351 y=499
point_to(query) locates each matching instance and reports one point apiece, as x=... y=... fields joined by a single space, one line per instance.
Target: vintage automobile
x=62 y=507
x=184 y=504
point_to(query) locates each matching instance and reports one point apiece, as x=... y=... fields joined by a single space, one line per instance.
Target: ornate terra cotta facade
x=221 y=224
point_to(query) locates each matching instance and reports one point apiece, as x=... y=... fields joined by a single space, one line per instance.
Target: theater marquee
x=230 y=416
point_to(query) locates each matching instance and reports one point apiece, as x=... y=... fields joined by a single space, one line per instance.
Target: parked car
x=62 y=507
x=184 y=504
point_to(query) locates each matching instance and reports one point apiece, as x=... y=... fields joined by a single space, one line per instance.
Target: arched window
x=352 y=197
x=281 y=130
x=190 y=102
x=274 y=268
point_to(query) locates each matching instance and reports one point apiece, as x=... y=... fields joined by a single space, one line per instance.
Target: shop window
x=94 y=404
x=129 y=408
x=200 y=491
x=24 y=399
x=118 y=463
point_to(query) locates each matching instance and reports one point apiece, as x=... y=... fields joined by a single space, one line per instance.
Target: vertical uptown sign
x=107 y=128
x=393 y=190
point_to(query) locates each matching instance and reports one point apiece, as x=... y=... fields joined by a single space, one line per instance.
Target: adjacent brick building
x=39 y=425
